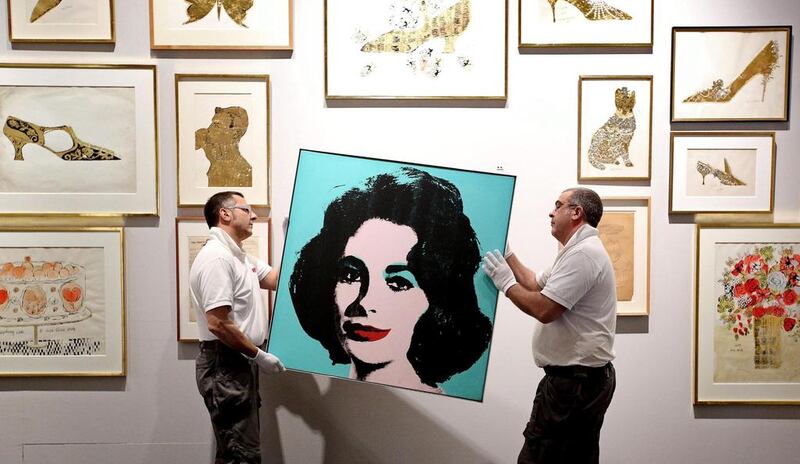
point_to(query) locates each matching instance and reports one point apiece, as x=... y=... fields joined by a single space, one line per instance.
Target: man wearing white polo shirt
x=576 y=302
x=232 y=321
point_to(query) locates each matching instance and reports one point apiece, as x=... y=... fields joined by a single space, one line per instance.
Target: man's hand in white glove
x=496 y=267
x=268 y=362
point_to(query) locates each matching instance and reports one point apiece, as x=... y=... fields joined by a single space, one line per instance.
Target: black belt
x=578 y=372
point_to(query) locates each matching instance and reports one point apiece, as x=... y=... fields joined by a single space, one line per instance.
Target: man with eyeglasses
x=576 y=302
x=232 y=320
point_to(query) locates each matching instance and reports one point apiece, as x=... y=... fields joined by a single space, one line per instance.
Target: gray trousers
x=228 y=383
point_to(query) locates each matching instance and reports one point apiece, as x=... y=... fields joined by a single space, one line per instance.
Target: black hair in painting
x=452 y=333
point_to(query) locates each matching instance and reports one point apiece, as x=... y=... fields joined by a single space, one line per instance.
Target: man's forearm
x=534 y=304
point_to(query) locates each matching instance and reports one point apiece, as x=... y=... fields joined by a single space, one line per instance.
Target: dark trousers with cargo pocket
x=228 y=383
x=568 y=412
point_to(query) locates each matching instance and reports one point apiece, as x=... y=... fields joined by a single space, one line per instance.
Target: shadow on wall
x=359 y=423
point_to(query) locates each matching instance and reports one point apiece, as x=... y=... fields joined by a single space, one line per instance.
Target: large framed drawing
x=615 y=121
x=191 y=233
x=416 y=49
x=62 y=304
x=54 y=21
x=223 y=124
x=746 y=346
x=585 y=23
x=78 y=139
x=221 y=24
x=730 y=73
x=722 y=172
x=380 y=278
x=625 y=233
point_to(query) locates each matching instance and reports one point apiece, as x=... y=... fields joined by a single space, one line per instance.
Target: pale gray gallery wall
x=154 y=415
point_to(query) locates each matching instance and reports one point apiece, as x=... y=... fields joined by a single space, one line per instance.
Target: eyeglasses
x=246 y=208
x=559 y=205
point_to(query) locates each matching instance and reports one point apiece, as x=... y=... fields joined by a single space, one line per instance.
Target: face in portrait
x=387 y=284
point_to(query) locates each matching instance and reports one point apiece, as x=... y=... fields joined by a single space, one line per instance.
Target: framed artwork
x=221 y=25
x=625 y=233
x=746 y=314
x=380 y=279
x=416 y=49
x=223 y=124
x=62 y=304
x=191 y=233
x=730 y=73
x=78 y=139
x=615 y=122
x=721 y=172
x=54 y=21
x=585 y=23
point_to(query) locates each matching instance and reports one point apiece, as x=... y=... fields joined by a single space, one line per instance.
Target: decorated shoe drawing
x=448 y=25
x=21 y=132
x=42 y=7
x=593 y=10
x=725 y=177
x=763 y=64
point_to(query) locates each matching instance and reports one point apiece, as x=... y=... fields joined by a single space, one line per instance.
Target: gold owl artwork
x=236 y=9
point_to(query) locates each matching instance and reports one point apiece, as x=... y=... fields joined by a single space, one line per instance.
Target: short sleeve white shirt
x=222 y=274
x=582 y=281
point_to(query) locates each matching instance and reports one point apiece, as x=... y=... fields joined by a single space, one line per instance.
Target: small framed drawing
x=721 y=172
x=730 y=73
x=51 y=21
x=746 y=327
x=78 y=139
x=625 y=233
x=585 y=23
x=223 y=136
x=62 y=303
x=416 y=49
x=615 y=121
x=221 y=25
x=191 y=233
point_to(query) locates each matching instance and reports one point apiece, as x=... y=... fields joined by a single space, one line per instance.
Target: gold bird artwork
x=236 y=9
x=42 y=7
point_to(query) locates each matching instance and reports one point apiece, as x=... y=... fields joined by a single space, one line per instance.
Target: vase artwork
x=757 y=337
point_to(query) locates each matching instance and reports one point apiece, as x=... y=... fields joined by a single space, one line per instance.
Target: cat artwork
x=610 y=143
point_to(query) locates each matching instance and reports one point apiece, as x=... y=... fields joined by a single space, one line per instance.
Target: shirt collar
x=223 y=237
x=585 y=231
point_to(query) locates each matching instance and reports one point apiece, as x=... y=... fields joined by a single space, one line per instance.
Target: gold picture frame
x=615 y=128
x=204 y=102
x=110 y=164
x=745 y=314
x=625 y=233
x=625 y=24
x=261 y=26
x=721 y=172
x=467 y=62
x=62 y=301
x=713 y=71
x=189 y=232
x=89 y=21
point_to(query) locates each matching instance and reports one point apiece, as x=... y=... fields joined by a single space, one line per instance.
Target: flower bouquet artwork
x=746 y=330
x=759 y=302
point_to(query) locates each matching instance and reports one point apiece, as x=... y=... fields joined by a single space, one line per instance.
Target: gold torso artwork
x=220 y=142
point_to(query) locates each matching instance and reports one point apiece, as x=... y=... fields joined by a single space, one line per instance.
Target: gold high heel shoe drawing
x=763 y=64
x=21 y=132
x=593 y=10
x=449 y=25
x=725 y=177
x=42 y=7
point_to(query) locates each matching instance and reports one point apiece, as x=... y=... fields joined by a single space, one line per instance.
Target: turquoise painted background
x=321 y=178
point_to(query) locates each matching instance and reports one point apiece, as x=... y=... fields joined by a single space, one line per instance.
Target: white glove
x=496 y=267
x=268 y=362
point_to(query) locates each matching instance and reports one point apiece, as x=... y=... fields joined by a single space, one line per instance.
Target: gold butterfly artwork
x=236 y=9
